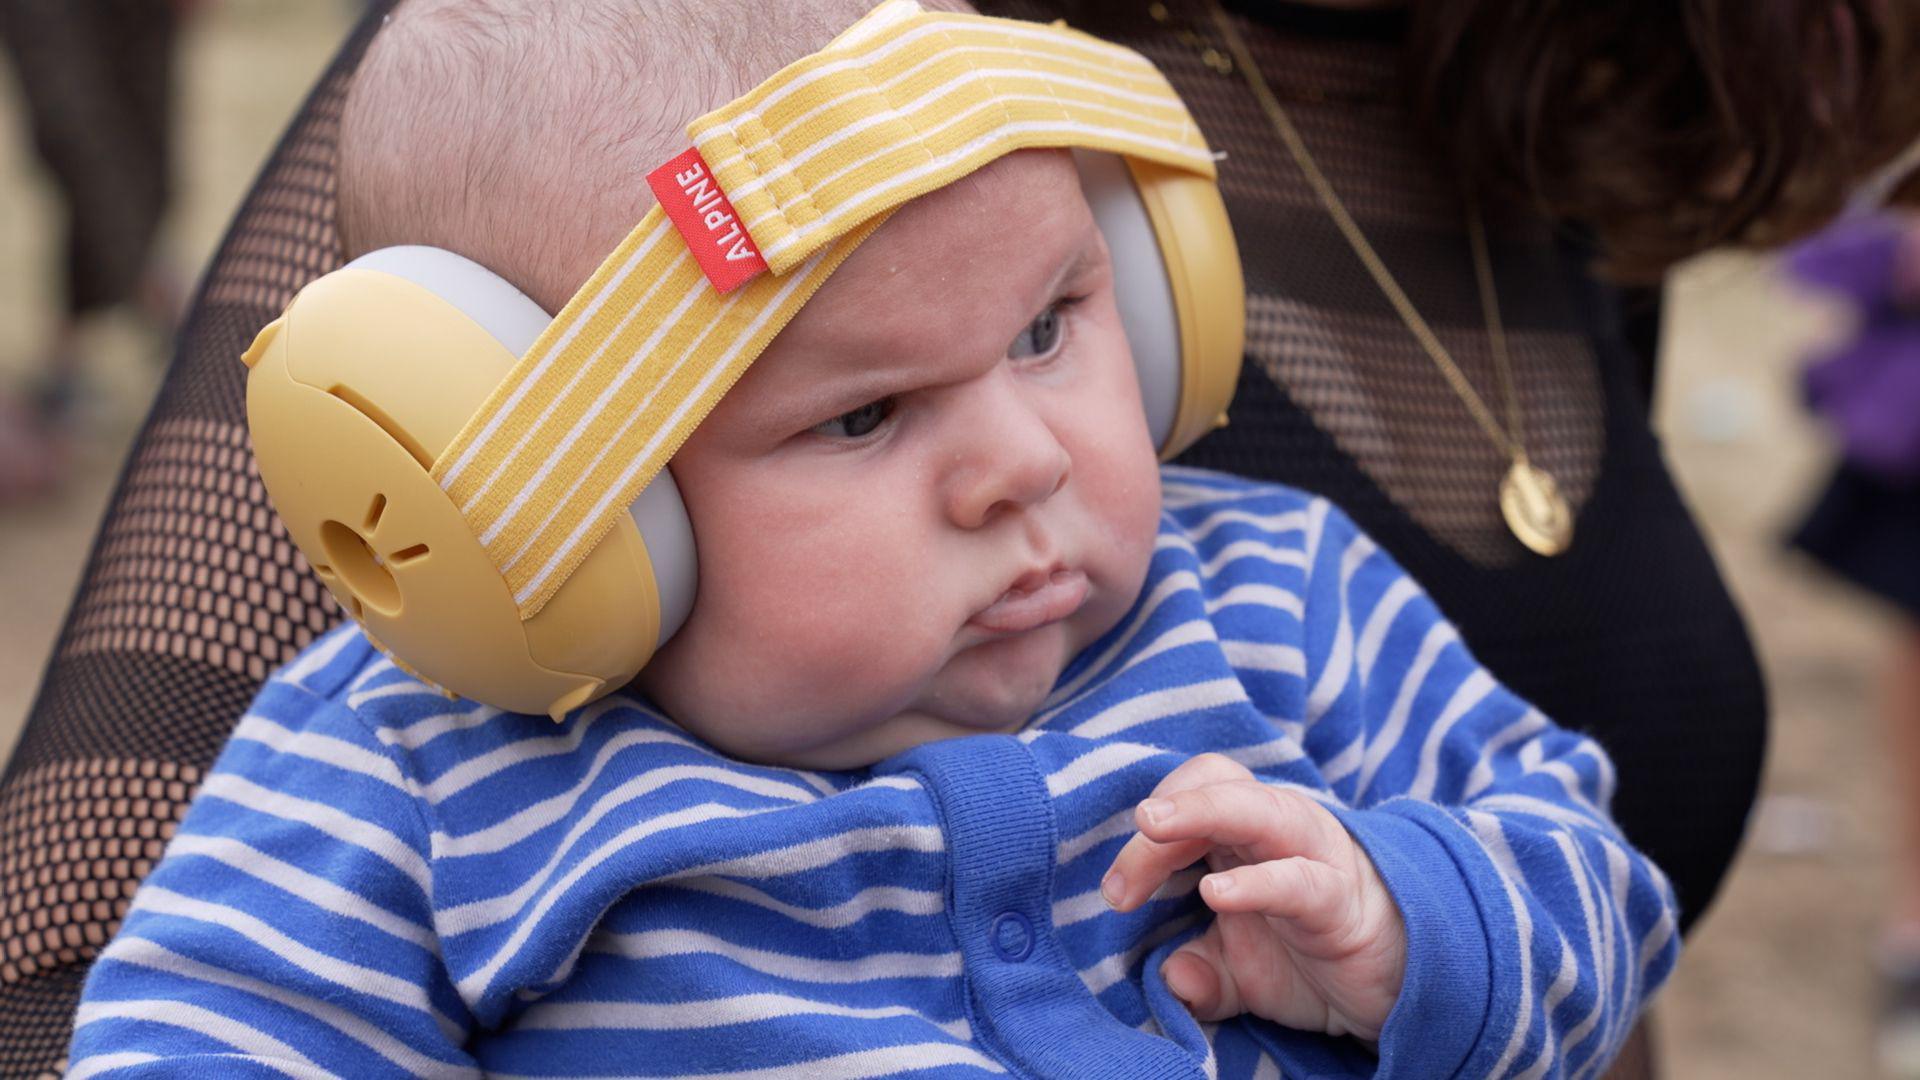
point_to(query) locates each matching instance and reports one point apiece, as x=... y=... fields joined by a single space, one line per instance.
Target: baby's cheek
x=1125 y=497
x=1115 y=464
x=773 y=661
x=1141 y=525
x=855 y=636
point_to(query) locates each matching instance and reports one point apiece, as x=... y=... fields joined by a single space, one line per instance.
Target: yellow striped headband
x=543 y=464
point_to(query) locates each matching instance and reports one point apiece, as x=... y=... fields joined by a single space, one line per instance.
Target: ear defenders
x=382 y=374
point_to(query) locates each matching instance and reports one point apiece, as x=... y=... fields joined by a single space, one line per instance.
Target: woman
x=1662 y=128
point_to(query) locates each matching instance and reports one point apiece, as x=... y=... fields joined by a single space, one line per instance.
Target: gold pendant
x=1535 y=510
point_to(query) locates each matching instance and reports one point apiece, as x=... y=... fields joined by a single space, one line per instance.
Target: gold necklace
x=1535 y=511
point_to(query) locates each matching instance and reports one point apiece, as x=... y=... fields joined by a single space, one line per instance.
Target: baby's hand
x=1306 y=935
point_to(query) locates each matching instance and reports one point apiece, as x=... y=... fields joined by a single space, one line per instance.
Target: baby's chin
x=993 y=688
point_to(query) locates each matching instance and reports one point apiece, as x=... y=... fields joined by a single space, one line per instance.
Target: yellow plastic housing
x=352 y=394
x=1203 y=270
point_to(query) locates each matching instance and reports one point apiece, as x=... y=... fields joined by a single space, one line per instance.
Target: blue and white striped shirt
x=375 y=882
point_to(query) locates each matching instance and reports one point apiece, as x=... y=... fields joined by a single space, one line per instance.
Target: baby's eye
x=861 y=421
x=1041 y=336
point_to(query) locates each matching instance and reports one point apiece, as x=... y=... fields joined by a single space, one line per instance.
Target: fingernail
x=1156 y=811
x=1181 y=982
x=1221 y=884
x=1112 y=888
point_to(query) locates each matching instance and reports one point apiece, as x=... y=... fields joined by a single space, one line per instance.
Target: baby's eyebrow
x=840 y=390
x=1085 y=255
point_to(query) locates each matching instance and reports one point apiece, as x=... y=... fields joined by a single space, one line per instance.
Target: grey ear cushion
x=668 y=533
x=1141 y=288
x=515 y=321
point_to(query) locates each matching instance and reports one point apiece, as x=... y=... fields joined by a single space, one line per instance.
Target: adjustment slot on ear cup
x=387 y=423
x=407 y=555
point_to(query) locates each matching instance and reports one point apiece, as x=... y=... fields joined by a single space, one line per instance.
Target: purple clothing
x=1869 y=387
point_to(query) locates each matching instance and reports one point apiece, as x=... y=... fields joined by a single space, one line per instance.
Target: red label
x=699 y=209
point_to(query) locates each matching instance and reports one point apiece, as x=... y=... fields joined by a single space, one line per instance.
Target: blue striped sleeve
x=1535 y=932
x=288 y=931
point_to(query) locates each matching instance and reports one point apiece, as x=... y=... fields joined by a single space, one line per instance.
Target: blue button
x=1012 y=936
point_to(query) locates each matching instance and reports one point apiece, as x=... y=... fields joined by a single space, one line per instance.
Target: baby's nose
x=1014 y=462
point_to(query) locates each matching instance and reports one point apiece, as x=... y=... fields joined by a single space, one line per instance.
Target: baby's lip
x=1035 y=599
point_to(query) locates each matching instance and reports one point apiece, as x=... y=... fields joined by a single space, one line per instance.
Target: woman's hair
x=1668 y=126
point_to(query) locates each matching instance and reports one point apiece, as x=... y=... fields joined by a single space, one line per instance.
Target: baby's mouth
x=1035 y=600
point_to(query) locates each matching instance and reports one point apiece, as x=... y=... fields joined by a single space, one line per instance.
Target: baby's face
x=929 y=493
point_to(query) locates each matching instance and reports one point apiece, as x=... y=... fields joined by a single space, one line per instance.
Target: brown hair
x=1668 y=126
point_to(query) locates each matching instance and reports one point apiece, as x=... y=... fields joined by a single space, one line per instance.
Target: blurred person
x=96 y=82
x=1865 y=527
x=32 y=460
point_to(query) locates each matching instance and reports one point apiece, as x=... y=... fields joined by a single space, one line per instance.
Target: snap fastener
x=1011 y=936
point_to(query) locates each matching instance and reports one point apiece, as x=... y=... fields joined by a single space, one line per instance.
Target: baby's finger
x=1198 y=975
x=1199 y=771
x=1268 y=822
x=1144 y=865
x=1314 y=897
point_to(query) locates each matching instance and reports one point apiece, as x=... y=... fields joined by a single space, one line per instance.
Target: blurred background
x=1778 y=979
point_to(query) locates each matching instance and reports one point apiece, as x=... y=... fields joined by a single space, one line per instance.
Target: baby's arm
x=288 y=930
x=1532 y=933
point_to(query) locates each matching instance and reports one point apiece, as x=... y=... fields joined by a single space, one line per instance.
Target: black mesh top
x=192 y=592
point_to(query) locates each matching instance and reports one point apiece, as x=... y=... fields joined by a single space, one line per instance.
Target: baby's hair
x=519 y=132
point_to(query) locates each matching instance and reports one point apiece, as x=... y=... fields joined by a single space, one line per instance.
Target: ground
x=1775 y=982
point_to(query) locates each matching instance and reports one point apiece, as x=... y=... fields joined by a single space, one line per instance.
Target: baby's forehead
x=947 y=283
x=983 y=251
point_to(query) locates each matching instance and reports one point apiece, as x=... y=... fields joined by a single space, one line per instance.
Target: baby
x=930 y=509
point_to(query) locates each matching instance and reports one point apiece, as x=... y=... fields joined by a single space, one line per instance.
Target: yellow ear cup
x=1203 y=270
x=352 y=394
